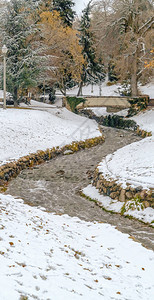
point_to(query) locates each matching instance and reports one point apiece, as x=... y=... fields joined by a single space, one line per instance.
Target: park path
x=56 y=186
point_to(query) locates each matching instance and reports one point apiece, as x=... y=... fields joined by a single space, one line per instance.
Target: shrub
x=125 y=88
x=74 y=102
x=110 y=83
x=118 y=122
x=137 y=104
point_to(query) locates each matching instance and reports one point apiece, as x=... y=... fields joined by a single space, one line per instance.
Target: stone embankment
x=110 y=187
x=56 y=186
x=12 y=169
x=117 y=192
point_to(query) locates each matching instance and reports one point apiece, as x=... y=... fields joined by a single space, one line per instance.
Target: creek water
x=55 y=185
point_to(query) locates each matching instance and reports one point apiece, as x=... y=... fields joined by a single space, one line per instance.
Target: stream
x=56 y=186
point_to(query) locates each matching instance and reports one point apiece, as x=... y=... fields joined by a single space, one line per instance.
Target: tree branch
x=145 y=27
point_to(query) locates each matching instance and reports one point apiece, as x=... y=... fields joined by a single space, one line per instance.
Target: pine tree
x=93 y=70
x=19 y=31
x=64 y=7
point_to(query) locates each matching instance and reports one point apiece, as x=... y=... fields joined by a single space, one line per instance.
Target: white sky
x=80 y=5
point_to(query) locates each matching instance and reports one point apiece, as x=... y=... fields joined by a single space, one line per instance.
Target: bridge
x=108 y=101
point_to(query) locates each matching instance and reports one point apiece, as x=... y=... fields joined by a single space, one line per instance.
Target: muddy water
x=55 y=186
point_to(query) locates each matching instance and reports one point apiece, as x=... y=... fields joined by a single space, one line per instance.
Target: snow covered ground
x=112 y=90
x=147 y=89
x=24 y=131
x=37 y=104
x=145 y=120
x=87 y=90
x=102 y=111
x=45 y=256
x=145 y=215
x=133 y=164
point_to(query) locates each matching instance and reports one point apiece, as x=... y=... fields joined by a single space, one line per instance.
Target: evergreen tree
x=93 y=69
x=64 y=7
x=19 y=31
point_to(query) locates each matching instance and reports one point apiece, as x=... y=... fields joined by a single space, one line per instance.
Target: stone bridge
x=105 y=101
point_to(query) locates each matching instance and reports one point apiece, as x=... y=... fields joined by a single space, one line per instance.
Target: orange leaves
x=11 y=243
x=62 y=45
x=51 y=19
x=52 y=28
x=150 y=64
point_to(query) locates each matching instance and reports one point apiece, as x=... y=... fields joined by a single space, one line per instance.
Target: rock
x=24 y=159
x=146 y=204
x=138 y=189
x=98 y=185
x=108 y=191
x=104 y=190
x=68 y=152
x=129 y=195
x=149 y=194
x=2 y=175
x=122 y=196
x=137 y=195
x=1 y=183
x=6 y=177
x=115 y=188
x=132 y=189
x=113 y=195
x=143 y=195
x=127 y=188
x=109 y=183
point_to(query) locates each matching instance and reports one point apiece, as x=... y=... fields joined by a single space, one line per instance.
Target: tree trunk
x=134 y=76
x=80 y=89
x=15 y=97
x=63 y=91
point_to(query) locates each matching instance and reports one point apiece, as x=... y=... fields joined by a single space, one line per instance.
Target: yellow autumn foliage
x=151 y=63
x=63 y=46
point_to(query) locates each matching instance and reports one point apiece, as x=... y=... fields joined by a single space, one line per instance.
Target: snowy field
x=45 y=256
x=87 y=90
x=133 y=164
x=24 y=131
x=148 y=89
x=145 y=120
x=110 y=90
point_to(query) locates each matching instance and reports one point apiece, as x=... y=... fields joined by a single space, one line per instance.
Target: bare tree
x=122 y=28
